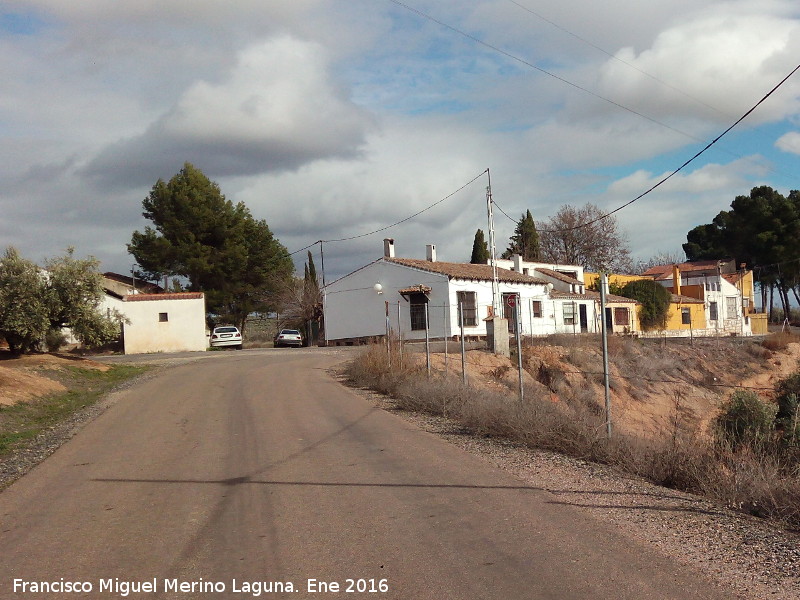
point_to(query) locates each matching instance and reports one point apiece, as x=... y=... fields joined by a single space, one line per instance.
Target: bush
x=654 y=300
x=746 y=420
x=54 y=340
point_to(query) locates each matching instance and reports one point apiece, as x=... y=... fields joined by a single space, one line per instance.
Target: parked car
x=226 y=336
x=288 y=337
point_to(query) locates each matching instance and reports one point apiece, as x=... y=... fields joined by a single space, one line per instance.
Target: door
x=584 y=320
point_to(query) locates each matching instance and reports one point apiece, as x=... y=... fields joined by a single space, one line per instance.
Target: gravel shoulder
x=740 y=552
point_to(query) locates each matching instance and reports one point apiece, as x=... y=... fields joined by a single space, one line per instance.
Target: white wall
x=354 y=309
x=184 y=331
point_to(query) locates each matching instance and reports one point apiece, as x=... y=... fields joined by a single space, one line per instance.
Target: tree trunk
x=784 y=294
x=771 y=302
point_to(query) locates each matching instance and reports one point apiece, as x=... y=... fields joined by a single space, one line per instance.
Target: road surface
x=248 y=474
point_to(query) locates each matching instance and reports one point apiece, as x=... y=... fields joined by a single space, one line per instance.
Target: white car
x=288 y=337
x=226 y=336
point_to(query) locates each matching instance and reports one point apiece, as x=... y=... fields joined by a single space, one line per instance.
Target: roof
x=676 y=299
x=591 y=297
x=660 y=272
x=465 y=270
x=416 y=289
x=611 y=297
x=558 y=276
x=170 y=296
x=141 y=284
x=569 y=295
x=732 y=278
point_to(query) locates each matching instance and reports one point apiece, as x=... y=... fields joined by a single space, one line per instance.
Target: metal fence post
x=463 y=349
x=427 y=343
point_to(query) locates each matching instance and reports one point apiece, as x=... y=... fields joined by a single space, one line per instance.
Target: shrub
x=54 y=340
x=654 y=300
x=745 y=420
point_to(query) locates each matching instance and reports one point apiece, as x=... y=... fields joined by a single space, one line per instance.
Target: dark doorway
x=583 y=318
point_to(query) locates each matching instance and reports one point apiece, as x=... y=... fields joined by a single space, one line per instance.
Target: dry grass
x=742 y=479
x=779 y=341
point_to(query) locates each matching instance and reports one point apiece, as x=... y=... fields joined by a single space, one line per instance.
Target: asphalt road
x=251 y=467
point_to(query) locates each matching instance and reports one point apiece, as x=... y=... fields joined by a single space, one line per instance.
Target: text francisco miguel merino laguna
x=253 y=588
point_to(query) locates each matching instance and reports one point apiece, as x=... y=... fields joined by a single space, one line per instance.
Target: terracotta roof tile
x=415 y=289
x=170 y=296
x=557 y=275
x=466 y=270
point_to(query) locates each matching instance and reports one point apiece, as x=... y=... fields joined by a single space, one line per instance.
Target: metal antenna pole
x=492 y=247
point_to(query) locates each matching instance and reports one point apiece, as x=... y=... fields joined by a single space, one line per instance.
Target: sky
x=331 y=119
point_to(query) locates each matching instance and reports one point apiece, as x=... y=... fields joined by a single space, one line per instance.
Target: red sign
x=511 y=301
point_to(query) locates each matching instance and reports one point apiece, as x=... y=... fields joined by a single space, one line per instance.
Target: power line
x=527 y=63
x=416 y=214
x=684 y=165
x=616 y=58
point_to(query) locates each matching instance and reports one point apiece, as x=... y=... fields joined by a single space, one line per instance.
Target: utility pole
x=604 y=330
x=322 y=261
x=492 y=247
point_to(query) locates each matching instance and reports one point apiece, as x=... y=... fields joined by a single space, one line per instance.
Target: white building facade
x=174 y=322
x=399 y=295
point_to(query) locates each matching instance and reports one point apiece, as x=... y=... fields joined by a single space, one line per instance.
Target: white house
x=172 y=322
x=394 y=293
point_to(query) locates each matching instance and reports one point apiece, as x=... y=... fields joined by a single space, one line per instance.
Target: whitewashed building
x=395 y=294
x=173 y=322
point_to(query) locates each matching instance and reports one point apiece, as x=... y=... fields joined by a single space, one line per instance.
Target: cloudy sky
x=333 y=118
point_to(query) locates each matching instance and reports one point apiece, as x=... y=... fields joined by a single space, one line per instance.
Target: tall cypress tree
x=525 y=240
x=480 y=249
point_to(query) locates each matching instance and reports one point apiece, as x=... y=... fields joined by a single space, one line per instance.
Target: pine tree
x=480 y=249
x=525 y=240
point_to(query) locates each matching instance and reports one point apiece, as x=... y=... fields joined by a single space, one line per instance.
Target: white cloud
x=789 y=142
x=278 y=109
x=713 y=68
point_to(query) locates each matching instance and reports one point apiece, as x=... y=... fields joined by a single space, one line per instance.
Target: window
x=730 y=307
x=163 y=317
x=466 y=300
x=622 y=316
x=418 y=304
x=713 y=315
x=569 y=313
x=686 y=316
x=536 y=307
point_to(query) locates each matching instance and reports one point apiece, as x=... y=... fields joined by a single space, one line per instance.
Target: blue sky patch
x=20 y=23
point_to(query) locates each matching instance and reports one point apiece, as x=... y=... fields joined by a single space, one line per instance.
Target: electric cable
x=416 y=214
x=684 y=165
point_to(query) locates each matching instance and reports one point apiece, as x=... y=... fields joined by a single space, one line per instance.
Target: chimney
x=676 y=280
x=517 y=259
x=388 y=247
x=430 y=252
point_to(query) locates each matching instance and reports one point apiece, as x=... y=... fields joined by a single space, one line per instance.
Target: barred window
x=467 y=301
x=536 y=307
x=417 y=311
x=686 y=316
x=622 y=316
x=730 y=307
x=569 y=313
x=713 y=314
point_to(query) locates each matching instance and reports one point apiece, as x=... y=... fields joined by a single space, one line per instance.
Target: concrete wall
x=184 y=329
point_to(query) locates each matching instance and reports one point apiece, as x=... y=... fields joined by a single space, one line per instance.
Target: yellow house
x=695 y=309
